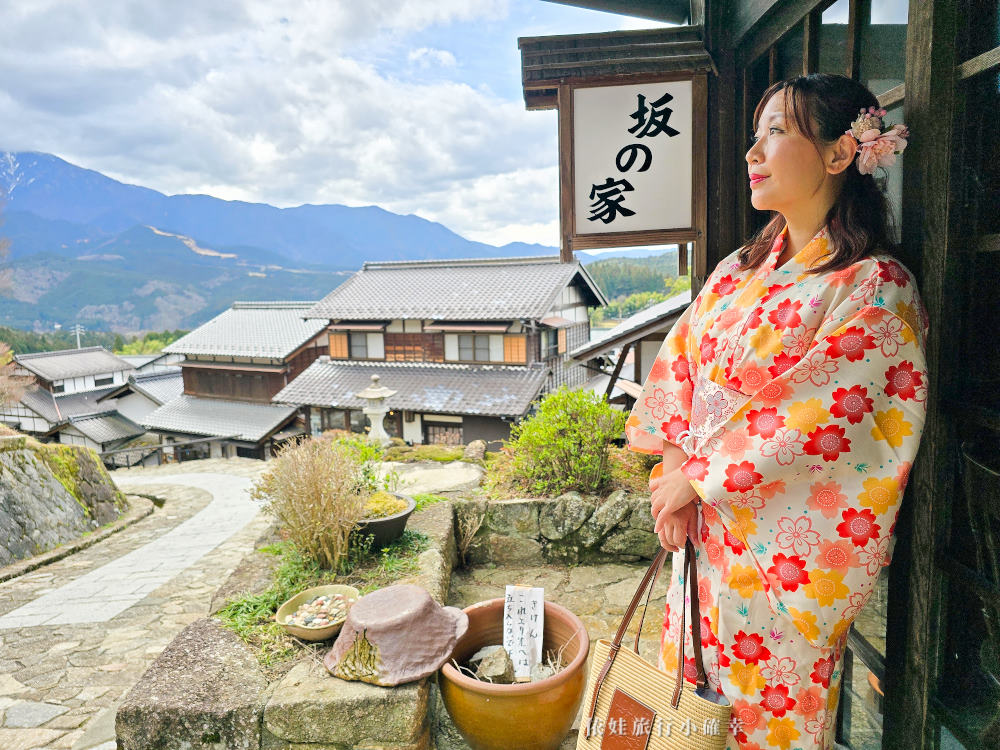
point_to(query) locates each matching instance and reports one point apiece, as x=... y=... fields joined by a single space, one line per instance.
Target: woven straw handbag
x=633 y=705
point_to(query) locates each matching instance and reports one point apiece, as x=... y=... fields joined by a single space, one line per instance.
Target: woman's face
x=792 y=171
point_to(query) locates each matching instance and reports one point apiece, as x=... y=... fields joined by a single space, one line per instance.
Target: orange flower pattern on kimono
x=799 y=400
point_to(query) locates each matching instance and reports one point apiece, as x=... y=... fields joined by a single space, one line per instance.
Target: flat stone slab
x=310 y=705
x=31 y=713
x=205 y=690
x=433 y=476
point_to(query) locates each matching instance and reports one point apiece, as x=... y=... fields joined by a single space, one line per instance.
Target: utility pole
x=78 y=329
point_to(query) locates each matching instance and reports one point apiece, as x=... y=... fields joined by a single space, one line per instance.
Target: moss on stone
x=62 y=462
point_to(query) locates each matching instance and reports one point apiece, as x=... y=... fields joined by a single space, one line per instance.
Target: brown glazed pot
x=536 y=715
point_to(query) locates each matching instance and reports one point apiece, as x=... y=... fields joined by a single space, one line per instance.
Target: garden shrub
x=315 y=489
x=564 y=446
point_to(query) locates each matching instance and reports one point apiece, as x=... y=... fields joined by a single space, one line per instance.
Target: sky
x=411 y=105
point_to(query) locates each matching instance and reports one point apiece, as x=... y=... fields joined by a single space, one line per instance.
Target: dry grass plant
x=313 y=489
x=468 y=525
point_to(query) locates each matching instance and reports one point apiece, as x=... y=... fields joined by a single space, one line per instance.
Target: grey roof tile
x=161 y=386
x=420 y=386
x=216 y=417
x=473 y=289
x=251 y=329
x=107 y=428
x=634 y=326
x=72 y=363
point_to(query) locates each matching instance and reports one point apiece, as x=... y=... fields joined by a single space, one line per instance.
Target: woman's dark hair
x=823 y=106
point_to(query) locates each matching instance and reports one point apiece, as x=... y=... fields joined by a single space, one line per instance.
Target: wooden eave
x=547 y=61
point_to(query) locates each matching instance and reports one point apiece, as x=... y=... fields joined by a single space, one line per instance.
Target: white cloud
x=269 y=103
x=425 y=57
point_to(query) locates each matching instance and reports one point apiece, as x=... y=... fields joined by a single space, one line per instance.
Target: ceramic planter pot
x=535 y=715
x=388 y=528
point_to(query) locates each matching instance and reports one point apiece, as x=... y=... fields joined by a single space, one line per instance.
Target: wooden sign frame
x=570 y=239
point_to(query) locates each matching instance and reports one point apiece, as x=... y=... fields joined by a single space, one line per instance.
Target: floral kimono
x=799 y=400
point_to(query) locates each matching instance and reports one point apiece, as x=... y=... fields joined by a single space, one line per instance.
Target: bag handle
x=648 y=581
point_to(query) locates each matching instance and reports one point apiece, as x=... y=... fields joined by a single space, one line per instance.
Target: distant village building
x=635 y=341
x=232 y=366
x=150 y=363
x=67 y=402
x=466 y=344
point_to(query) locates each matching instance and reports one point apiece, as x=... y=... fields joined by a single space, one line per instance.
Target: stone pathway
x=61 y=681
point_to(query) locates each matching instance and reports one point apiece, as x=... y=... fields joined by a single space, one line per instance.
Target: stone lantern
x=376 y=395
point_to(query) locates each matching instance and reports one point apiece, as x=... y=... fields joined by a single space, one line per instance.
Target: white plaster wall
x=413 y=431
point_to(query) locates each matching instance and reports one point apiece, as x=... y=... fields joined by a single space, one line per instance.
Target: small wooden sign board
x=523 y=627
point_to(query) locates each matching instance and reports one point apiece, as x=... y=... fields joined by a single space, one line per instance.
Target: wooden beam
x=724 y=147
x=773 y=63
x=810 y=42
x=984 y=63
x=617 y=370
x=916 y=615
x=671 y=11
x=566 y=220
x=858 y=20
x=755 y=38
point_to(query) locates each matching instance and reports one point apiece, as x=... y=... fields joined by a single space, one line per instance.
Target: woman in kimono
x=788 y=402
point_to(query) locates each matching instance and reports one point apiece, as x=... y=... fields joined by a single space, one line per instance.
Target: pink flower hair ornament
x=878 y=144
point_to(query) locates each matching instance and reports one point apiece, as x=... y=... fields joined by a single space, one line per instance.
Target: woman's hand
x=669 y=490
x=674 y=528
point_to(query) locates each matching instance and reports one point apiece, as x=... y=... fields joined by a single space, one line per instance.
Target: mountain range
x=86 y=249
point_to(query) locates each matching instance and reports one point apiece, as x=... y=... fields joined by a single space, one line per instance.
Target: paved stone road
x=61 y=681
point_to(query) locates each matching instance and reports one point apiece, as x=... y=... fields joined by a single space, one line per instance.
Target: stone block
x=560 y=517
x=309 y=705
x=608 y=516
x=178 y=704
x=629 y=541
x=437 y=521
x=505 y=550
x=513 y=518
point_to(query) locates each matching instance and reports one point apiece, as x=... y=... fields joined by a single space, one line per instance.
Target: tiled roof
x=161 y=387
x=215 y=417
x=473 y=289
x=72 y=363
x=420 y=386
x=58 y=409
x=251 y=329
x=107 y=428
x=633 y=328
x=42 y=402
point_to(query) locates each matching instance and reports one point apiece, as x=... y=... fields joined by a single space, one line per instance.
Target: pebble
x=320 y=611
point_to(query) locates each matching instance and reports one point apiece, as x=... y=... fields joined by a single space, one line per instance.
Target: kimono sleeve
x=813 y=500
x=663 y=408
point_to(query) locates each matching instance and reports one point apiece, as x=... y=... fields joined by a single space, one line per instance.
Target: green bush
x=564 y=446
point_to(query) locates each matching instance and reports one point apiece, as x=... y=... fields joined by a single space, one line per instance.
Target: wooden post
x=617 y=371
x=916 y=633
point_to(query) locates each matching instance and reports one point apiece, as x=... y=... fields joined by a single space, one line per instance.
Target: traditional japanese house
x=66 y=401
x=466 y=344
x=634 y=341
x=232 y=366
x=923 y=670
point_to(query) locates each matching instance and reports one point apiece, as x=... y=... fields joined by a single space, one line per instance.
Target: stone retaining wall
x=567 y=529
x=50 y=494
